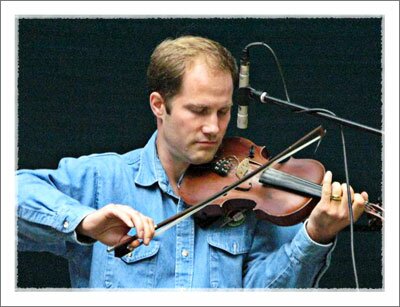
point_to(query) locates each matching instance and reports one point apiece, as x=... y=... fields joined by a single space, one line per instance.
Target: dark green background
x=82 y=89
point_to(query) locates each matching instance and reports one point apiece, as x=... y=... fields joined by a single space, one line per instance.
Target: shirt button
x=66 y=224
x=185 y=253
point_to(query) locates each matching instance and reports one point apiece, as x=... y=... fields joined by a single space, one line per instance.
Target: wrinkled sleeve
x=285 y=257
x=52 y=203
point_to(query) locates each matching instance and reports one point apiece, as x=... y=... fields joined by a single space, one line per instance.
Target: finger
x=358 y=206
x=345 y=194
x=336 y=191
x=133 y=245
x=144 y=225
x=122 y=215
x=152 y=227
x=365 y=196
x=326 y=187
x=136 y=218
x=148 y=229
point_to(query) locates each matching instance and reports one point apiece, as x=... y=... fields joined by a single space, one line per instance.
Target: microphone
x=244 y=91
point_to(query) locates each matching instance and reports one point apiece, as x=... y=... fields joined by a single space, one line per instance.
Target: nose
x=211 y=125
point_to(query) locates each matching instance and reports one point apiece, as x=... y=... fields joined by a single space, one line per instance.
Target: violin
x=242 y=176
x=284 y=194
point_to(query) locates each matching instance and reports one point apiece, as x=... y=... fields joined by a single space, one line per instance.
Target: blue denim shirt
x=255 y=254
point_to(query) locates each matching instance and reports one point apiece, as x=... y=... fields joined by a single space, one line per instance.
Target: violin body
x=236 y=157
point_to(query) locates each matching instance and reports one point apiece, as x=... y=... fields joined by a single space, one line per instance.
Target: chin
x=202 y=159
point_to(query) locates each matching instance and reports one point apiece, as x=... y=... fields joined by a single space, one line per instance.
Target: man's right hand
x=111 y=224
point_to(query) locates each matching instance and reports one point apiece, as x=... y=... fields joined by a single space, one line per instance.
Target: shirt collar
x=150 y=169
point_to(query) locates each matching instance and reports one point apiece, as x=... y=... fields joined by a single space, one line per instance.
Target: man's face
x=199 y=116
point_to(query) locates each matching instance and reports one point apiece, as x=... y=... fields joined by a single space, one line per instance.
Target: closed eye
x=204 y=110
x=224 y=111
x=199 y=110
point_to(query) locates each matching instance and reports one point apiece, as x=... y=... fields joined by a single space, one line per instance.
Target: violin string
x=375 y=206
x=296 y=183
x=302 y=182
x=282 y=179
x=374 y=210
x=304 y=185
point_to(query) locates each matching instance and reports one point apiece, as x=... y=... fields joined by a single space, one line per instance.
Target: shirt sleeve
x=52 y=203
x=286 y=257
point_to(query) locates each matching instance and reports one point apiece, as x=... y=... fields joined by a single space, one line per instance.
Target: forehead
x=202 y=75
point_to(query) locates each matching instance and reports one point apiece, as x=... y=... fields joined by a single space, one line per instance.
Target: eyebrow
x=195 y=105
x=229 y=105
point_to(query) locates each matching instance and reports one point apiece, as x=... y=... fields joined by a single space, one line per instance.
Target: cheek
x=183 y=129
x=189 y=123
x=225 y=122
x=180 y=116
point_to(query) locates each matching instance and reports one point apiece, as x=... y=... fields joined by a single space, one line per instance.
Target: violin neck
x=289 y=182
x=307 y=188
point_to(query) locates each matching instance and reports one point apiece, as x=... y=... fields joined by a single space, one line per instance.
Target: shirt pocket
x=228 y=248
x=142 y=252
x=125 y=271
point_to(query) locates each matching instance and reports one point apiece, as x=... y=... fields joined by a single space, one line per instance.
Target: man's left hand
x=331 y=214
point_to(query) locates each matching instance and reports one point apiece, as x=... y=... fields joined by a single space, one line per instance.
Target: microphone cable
x=315 y=110
x=276 y=61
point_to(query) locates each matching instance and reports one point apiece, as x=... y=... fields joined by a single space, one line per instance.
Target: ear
x=157 y=104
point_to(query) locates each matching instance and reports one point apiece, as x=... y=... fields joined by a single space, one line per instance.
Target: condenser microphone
x=243 y=93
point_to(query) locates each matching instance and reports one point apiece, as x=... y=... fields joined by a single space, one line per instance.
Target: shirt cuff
x=70 y=222
x=307 y=250
x=81 y=239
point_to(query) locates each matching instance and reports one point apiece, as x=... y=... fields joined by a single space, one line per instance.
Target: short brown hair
x=172 y=56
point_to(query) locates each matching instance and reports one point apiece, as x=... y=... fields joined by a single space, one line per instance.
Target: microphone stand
x=265 y=98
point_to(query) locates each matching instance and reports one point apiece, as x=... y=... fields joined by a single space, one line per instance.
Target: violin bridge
x=243 y=168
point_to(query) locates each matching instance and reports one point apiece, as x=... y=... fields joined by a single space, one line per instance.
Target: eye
x=199 y=110
x=224 y=111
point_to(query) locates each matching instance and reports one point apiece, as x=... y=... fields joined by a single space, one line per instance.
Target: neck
x=174 y=168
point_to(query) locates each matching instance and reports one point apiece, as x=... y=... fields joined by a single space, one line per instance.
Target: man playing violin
x=94 y=201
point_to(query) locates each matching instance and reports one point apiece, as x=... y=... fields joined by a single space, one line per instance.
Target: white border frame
x=10 y=10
